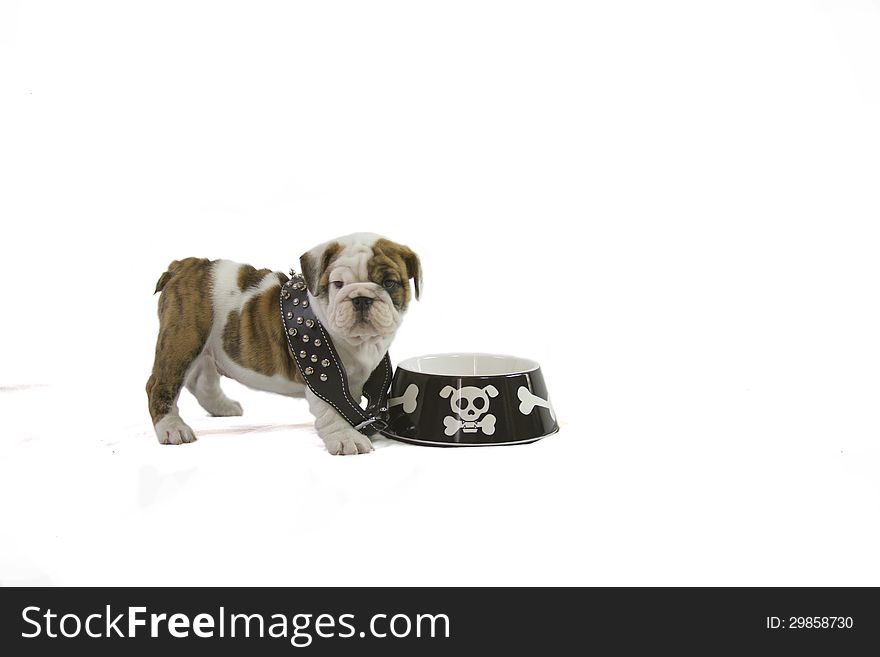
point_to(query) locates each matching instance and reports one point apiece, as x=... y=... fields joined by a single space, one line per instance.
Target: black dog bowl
x=452 y=400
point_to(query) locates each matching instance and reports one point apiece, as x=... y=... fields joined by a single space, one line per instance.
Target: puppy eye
x=338 y=284
x=389 y=283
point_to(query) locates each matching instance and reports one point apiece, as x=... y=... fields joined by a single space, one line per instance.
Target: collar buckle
x=376 y=424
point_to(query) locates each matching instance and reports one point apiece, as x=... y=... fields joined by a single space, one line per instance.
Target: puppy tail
x=165 y=277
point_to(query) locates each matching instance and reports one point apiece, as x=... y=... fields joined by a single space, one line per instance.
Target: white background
x=671 y=206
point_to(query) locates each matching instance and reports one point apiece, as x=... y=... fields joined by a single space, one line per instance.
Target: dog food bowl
x=457 y=400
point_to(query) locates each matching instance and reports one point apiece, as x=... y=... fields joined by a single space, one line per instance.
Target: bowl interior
x=468 y=364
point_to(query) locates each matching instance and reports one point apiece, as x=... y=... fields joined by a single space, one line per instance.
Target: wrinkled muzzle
x=361 y=311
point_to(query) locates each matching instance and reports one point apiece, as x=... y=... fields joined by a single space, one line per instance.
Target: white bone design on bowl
x=471 y=404
x=528 y=401
x=409 y=399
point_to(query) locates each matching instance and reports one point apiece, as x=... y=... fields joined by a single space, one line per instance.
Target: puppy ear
x=447 y=390
x=413 y=268
x=491 y=390
x=314 y=266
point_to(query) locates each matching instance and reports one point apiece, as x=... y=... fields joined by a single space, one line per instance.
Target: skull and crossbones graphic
x=470 y=404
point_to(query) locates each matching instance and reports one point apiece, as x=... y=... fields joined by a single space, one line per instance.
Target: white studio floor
x=93 y=499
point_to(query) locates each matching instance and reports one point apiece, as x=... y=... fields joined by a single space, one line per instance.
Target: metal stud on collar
x=316 y=367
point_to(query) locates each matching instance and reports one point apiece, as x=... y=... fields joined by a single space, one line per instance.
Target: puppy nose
x=362 y=303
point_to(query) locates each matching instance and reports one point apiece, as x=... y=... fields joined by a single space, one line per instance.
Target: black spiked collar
x=321 y=367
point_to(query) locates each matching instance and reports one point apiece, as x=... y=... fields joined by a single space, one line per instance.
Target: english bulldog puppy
x=221 y=318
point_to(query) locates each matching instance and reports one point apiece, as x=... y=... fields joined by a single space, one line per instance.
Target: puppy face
x=361 y=285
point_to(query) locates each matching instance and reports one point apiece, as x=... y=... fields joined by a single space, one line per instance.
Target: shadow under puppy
x=221 y=318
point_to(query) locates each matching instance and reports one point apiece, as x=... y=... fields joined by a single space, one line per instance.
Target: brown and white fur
x=221 y=318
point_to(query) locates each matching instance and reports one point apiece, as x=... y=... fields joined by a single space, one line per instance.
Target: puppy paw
x=348 y=443
x=225 y=408
x=171 y=430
